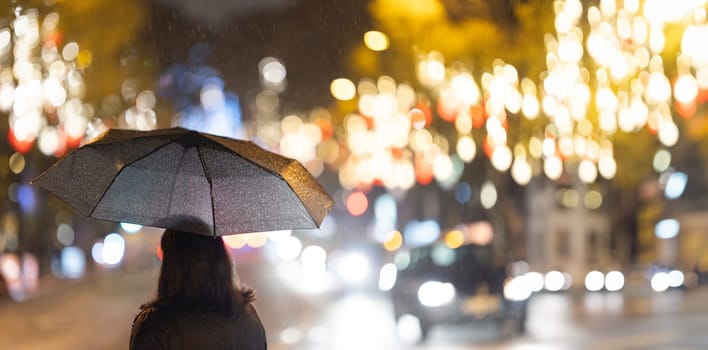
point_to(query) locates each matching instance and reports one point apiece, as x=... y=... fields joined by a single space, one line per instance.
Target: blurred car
x=441 y=285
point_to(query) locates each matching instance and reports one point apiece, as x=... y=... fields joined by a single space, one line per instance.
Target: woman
x=198 y=305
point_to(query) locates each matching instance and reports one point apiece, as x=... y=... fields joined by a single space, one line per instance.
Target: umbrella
x=160 y=177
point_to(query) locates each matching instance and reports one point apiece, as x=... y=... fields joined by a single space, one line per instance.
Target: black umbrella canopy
x=159 y=177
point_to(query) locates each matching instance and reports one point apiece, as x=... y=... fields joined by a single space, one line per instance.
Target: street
x=471 y=158
x=97 y=313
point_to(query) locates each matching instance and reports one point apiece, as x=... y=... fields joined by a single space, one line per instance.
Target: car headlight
x=517 y=288
x=353 y=267
x=434 y=293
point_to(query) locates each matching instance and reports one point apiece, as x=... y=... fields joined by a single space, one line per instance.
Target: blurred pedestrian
x=199 y=304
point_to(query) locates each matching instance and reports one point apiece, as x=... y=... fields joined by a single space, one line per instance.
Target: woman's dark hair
x=197 y=273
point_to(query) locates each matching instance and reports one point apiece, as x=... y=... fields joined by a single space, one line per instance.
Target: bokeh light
x=375 y=40
x=273 y=71
x=667 y=228
x=65 y=234
x=42 y=91
x=554 y=281
x=73 y=262
x=113 y=249
x=342 y=89
x=387 y=276
x=394 y=241
x=614 y=281
x=289 y=248
x=357 y=203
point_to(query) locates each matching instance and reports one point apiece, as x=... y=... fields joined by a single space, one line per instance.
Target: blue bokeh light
x=463 y=192
x=667 y=229
x=675 y=185
x=197 y=93
x=26 y=197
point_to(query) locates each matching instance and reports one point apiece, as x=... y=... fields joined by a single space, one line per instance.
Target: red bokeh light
x=687 y=110
x=19 y=146
x=446 y=111
x=158 y=252
x=357 y=203
x=423 y=170
x=477 y=114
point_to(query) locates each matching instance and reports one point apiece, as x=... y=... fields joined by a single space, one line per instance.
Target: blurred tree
x=111 y=32
x=475 y=32
x=108 y=34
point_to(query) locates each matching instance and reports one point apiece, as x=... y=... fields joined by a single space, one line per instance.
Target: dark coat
x=156 y=328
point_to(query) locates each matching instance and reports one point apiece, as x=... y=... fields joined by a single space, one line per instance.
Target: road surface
x=96 y=314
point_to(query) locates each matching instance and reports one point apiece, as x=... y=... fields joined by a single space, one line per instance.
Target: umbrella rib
x=297 y=193
x=211 y=190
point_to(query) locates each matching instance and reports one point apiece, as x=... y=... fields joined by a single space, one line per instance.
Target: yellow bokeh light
x=342 y=89
x=565 y=145
x=466 y=148
x=431 y=71
x=587 y=171
x=394 y=242
x=593 y=199
x=463 y=123
x=256 y=240
x=502 y=158
x=17 y=163
x=569 y=198
x=553 y=167
x=291 y=124
x=536 y=147
x=375 y=40
x=521 y=171
x=530 y=106
x=454 y=239
x=685 y=88
x=607 y=166
x=84 y=59
x=235 y=241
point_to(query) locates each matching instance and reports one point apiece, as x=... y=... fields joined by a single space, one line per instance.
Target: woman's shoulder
x=161 y=315
x=250 y=320
x=149 y=317
x=150 y=329
x=159 y=325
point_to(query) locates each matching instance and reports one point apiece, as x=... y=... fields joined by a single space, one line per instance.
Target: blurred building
x=566 y=230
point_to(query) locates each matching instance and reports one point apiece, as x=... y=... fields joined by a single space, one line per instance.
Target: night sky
x=312 y=37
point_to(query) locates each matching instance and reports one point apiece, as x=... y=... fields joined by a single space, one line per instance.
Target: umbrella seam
x=129 y=164
x=211 y=191
x=216 y=139
x=174 y=183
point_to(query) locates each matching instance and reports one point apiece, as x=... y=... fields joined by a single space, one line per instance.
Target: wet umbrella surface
x=157 y=178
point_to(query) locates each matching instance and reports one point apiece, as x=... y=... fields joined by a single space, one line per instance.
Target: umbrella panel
x=173 y=182
x=82 y=177
x=168 y=183
x=308 y=190
x=250 y=198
